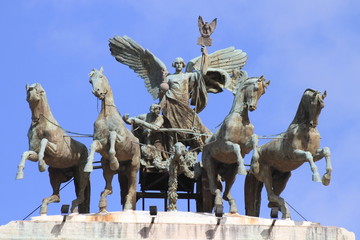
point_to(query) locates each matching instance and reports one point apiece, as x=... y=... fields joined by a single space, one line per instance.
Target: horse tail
x=84 y=207
x=124 y=187
x=83 y=181
x=252 y=194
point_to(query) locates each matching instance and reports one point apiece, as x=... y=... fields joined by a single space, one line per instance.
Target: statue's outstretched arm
x=138 y=121
x=205 y=60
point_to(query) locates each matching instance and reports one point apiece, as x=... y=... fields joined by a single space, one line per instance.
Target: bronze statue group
x=170 y=137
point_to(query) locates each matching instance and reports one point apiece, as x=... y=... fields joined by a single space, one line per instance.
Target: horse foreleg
x=114 y=163
x=253 y=144
x=28 y=155
x=320 y=153
x=235 y=148
x=300 y=154
x=41 y=162
x=51 y=149
x=94 y=147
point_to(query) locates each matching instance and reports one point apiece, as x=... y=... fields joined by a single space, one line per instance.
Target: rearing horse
x=224 y=151
x=115 y=143
x=277 y=158
x=48 y=144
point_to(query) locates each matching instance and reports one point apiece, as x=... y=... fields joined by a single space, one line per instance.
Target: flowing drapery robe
x=175 y=104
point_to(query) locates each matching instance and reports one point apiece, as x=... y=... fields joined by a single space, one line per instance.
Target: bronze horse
x=48 y=144
x=115 y=143
x=224 y=151
x=277 y=158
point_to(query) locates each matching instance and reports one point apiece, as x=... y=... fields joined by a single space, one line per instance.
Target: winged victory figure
x=206 y=73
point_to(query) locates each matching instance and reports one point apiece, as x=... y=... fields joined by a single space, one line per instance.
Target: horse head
x=311 y=104
x=316 y=104
x=35 y=93
x=100 y=84
x=252 y=89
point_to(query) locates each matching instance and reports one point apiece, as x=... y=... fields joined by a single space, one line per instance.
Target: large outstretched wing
x=142 y=61
x=237 y=79
x=222 y=65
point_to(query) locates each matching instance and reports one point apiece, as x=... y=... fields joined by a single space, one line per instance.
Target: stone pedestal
x=167 y=225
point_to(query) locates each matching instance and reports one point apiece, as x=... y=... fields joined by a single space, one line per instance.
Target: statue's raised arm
x=142 y=61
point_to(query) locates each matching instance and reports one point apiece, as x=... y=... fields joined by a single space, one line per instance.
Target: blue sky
x=295 y=44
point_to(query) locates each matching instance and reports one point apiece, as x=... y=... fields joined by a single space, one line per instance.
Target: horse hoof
x=114 y=165
x=255 y=169
x=43 y=210
x=20 y=175
x=88 y=168
x=219 y=211
x=274 y=212
x=128 y=207
x=74 y=206
x=233 y=210
x=242 y=171
x=286 y=215
x=325 y=181
x=316 y=178
x=103 y=210
x=74 y=211
x=42 y=168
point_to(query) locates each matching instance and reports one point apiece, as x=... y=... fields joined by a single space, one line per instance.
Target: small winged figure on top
x=205 y=28
x=203 y=74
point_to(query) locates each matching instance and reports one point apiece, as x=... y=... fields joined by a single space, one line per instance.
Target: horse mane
x=302 y=113
x=38 y=86
x=240 y=85
x=42 y=109
x=92 y=72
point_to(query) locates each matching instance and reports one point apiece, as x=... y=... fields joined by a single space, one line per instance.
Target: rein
x=78 y=134
x=106 y=105
x=171 y=153
x=275 y=136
